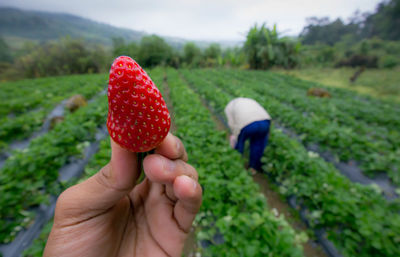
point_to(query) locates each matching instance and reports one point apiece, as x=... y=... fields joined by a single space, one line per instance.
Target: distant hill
x=18 y=26
x=43 y=26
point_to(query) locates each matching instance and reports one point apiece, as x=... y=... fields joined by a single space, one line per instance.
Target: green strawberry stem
x=141 y=157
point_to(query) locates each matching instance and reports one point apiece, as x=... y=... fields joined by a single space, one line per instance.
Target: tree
x=212 y=55
x=67 y=56
x=321 y=30
x=191 y=54
x=234 y=57
x=265 y=49
x=154 y=51
x=385 y=22
x=5 y=56
x=121 y=48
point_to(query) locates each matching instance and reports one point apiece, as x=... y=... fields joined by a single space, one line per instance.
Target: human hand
x=111 y=215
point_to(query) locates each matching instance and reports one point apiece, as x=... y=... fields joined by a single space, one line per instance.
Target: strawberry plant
x=24 y=95
x=374 y=155
x=27 y=121
x=232 y=205
x=29 y=176
x=357 y=218
x=100 y=159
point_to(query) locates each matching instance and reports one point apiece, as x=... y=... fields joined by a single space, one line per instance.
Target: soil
x=189 y=249
x=310 y=248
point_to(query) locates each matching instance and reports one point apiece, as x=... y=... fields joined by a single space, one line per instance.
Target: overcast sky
x=201 y=19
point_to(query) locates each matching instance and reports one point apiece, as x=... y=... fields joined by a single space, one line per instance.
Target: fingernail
x=194 y=183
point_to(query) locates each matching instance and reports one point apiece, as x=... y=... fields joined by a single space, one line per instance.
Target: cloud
x=201 y=19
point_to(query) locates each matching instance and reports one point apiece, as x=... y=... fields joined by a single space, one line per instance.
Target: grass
x=380 y=83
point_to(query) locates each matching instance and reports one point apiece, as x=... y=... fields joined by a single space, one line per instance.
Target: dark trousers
x=257 y=132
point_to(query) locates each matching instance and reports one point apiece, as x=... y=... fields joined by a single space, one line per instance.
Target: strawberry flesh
x=138 y=118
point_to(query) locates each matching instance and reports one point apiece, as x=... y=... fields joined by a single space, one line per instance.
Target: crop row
x=24 y=124
x=232 y=204
x=21 y=127
x=357 y=218
x=21 y=96
x=374 y=156
x=30 y=175
x=310 y=106
x=100 y=159
x=373 y=111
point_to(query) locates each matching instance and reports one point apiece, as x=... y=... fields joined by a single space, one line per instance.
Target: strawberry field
x=335 y=160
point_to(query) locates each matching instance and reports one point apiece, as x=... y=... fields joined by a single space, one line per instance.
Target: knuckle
x=180 y=150
x=64 y=202
x=188 y=170
x=63 y=198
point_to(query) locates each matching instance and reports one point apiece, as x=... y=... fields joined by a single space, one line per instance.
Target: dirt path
x=310 y=248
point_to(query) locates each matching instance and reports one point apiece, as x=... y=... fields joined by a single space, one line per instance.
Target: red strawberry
x=138 y=118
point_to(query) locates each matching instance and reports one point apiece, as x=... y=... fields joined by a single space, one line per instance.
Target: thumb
x=122 y=171
x=104 y=189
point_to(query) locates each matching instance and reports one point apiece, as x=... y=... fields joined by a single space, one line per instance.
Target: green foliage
x=67 y=56
x=363 y=35
x=389 y=61
x=24 y=95
x=387 y=52
x=19 y=98
x=131 y=49
x=45 y=26
x=233 y=57
x=362 y=130
x=317 y=55
x=212 y=55
x=232 y=205
x=322 y=30
x=213 y=51
x=100 y=159
x=377 y=83
x=29 y=176
x=192 y=55
x=154 y=51
x=357 y=218
x=5 y=56
x=385 y=22
x=37 y=247
x=265 y=49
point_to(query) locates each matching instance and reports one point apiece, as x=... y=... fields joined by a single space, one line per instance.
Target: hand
x=110 y=215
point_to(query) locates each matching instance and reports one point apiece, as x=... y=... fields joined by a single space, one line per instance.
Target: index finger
x=172 y=148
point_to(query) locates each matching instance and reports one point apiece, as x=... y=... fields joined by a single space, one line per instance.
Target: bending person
x=248 y=120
